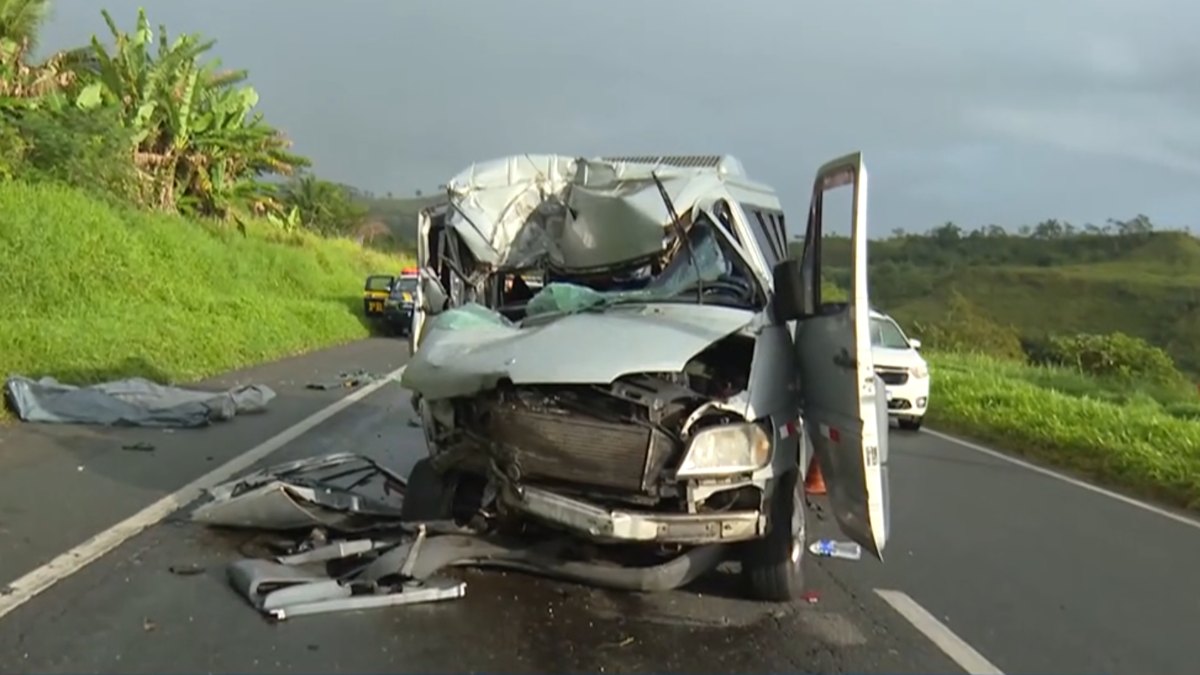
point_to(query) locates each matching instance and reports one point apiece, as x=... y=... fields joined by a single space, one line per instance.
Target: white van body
x=674 y=371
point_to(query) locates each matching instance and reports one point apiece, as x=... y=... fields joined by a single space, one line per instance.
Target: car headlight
x=733 y=448
x=919 y=372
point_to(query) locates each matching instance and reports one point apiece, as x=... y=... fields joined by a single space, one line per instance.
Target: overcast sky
x=976 y=111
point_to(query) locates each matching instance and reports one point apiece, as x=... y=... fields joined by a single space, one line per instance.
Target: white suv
x=902 y=369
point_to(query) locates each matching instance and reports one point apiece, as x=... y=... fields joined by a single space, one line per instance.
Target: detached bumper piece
x=360 y=553
x=634 y=526
x=285 y=588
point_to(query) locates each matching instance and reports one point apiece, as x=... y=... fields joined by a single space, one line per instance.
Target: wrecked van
x=621 y=349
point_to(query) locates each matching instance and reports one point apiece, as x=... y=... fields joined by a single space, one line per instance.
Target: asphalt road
x=1037 y=574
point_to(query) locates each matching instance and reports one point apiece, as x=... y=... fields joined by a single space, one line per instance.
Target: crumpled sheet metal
x=131 y=402
x=285 y=588
x=388 y=574
x=463 y=354
x=574 y=213
x=329 y=491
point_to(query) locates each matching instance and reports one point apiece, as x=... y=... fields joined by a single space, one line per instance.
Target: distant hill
x=399 y=214
x=1142 y=283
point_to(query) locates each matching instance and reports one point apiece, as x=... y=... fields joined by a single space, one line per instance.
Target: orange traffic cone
x=814 y=482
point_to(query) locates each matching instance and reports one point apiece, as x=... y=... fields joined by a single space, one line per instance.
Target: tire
x=910 y=423
x=774 y=565
x=428 y=495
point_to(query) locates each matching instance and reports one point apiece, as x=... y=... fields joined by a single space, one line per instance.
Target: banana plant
x=198 y=145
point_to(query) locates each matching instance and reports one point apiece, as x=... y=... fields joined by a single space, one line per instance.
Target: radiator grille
x=573 y=448
x=892 y=376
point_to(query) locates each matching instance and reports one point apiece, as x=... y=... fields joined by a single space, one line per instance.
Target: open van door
x=841 y=396
x=430 y=293
x=424 y=271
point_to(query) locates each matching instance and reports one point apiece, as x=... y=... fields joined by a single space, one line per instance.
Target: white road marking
x=955 y=647
x=31 y=584
x=1179 y=518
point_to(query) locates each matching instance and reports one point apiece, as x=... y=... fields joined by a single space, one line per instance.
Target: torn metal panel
x=255 y=579
x=130 y=402
x=334 y=551
x=573 y=213
x=431 y=590
x=573 y=349
x=281 y=589
x=344 y=491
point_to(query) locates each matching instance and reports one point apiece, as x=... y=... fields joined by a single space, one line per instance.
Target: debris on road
x=830 y=548
x=320 y=510
x=135 y=402
x=188 y=570
x=284 y=588
x=343 y=491
x=350 y=380
x=139 y=447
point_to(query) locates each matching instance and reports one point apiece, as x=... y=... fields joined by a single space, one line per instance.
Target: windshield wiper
x=679 y=232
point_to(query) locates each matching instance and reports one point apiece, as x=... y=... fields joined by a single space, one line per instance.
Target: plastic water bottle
x=828 y=548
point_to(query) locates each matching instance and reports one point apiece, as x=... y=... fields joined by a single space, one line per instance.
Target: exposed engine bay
x=615 y=444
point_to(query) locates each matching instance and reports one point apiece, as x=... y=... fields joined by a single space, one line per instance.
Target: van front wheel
x=774 y=565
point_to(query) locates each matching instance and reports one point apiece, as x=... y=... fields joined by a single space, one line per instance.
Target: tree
x=20 y=21
x=196 y=142
x=323 y=206
x=948 y=232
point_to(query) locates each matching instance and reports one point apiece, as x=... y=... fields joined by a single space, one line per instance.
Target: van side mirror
x=793 y=293
x=914 y=343
x=433 y=296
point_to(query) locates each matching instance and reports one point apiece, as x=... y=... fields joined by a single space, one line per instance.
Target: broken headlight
x=733 y=448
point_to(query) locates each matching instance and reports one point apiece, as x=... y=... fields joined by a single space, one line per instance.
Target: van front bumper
x=603 y=524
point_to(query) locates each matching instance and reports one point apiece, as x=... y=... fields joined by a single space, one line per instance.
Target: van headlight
x=919 y=372
x=733 y=448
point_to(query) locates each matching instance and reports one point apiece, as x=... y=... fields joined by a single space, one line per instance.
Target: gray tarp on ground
x=133 y=402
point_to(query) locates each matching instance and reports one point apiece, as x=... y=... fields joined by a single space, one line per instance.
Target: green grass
x=1142 y=438
x=92 y=291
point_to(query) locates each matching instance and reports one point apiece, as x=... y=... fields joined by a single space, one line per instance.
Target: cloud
x=969 y=110
x=1139 y=132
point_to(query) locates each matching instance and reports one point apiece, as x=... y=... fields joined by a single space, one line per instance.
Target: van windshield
x=885 y=333
x=716 y=270
x=405 y=285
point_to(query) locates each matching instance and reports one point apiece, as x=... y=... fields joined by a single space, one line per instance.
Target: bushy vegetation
x=1056 y=279
x=151 y=222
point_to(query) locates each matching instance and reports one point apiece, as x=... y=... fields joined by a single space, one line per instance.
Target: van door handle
x=843 y=360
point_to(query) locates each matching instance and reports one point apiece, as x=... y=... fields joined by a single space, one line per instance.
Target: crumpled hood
x=464 y=358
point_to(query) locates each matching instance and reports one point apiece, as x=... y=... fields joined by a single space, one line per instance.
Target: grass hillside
x=92 y=290
x=1145 y=284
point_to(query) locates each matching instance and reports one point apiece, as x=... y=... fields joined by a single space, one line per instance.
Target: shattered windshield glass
x=709 y=266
